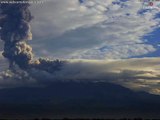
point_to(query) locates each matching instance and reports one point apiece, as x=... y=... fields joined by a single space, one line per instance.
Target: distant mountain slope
x=73 y=97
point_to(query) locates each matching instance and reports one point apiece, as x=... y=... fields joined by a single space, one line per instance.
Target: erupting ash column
x=15 y=31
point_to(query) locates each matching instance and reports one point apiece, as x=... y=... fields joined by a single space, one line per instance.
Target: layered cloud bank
x=93 y=29
x=137 y=74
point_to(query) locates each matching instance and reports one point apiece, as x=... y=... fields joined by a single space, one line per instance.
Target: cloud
x=141 y=74
x=58 y=16
x=3 y=63
x=93 y=29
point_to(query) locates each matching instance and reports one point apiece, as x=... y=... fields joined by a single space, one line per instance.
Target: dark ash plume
x=15 y=30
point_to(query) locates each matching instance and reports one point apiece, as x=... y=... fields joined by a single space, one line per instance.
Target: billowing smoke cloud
x=15 y=30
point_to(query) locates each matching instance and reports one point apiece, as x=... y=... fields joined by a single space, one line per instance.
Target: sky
x=104 y=40
x=91 y=29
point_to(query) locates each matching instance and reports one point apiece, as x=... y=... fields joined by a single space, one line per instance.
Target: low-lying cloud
x=137 y=74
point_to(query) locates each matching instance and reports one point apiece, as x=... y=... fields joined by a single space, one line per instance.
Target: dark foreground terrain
x=78 y=100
